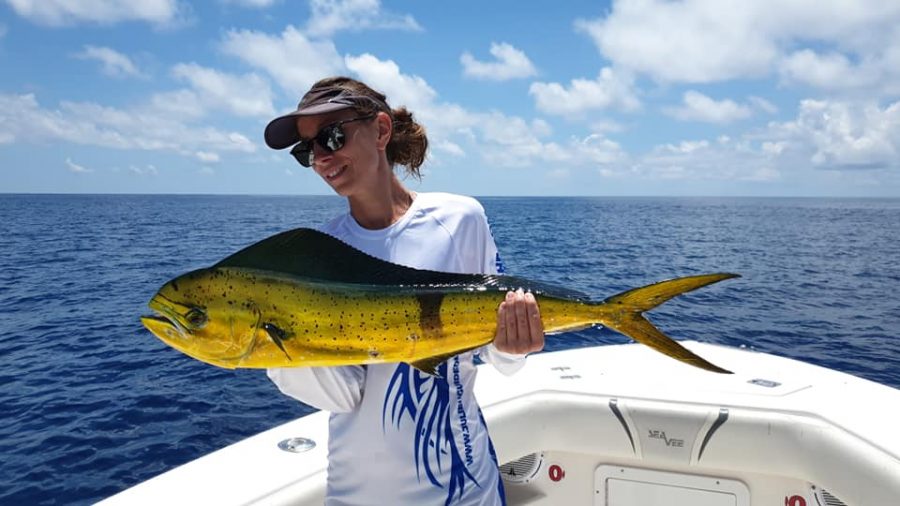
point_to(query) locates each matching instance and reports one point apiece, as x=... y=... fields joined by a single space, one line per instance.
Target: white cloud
x=684 y=147
x=501 y=140
x=826 y=137
x=255 y=4
x=450 y=148
x=330 y=16
x=139 y=128
x=115 y=64
x=688 y=161
x=606 y=126
x=69 y=12
x=597 y=149
x=857 y=71
x=763 y=105
x=699 y=107
x=178 y=105
x=611 y=89
x=385 y=76
x=682 y=41
x=832 y=71
x=762 y=174
x=247 y=95
x=841 y=135
x=293 y=60
x=705 y=41
x=513 y=142
x=510 y=63
x=147 y=170
x=207 y=157
x=78 y=169
x=510 y=131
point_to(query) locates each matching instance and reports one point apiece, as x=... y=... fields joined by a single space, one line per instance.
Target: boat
x=618 y=425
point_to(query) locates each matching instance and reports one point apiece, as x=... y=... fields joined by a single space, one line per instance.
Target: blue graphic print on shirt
x=426 y=401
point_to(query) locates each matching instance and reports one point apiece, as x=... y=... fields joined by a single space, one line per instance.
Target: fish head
x=194 y=314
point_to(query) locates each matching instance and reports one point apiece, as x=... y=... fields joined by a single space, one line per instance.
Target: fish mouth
x=158 y=320
x=168 y=327
x=164 y=319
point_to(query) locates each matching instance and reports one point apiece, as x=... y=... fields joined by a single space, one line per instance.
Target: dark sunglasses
x=330 y=138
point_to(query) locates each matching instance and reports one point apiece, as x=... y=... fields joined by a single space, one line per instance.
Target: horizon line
x=111 y=194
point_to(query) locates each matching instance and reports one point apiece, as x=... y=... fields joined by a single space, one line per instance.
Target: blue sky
x=638 y=97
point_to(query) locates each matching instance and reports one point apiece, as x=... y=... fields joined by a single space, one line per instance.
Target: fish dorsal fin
x=316 y=255
x=312 y=254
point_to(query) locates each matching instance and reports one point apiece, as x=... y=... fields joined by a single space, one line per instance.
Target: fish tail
x=627 y=308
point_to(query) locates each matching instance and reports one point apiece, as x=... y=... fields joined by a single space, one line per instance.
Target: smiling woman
x=346 y=132
x=408 y=142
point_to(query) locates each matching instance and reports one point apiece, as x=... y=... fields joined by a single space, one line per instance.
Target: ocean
x=91 y=403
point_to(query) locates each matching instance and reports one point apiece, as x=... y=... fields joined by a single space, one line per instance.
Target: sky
x=621 y=98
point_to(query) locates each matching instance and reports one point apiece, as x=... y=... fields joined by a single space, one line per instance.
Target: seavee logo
x=661 y=434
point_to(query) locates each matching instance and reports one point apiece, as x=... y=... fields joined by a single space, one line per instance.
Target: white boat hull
x=622 y=425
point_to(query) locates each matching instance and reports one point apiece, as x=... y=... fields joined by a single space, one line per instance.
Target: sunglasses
x=330 y=138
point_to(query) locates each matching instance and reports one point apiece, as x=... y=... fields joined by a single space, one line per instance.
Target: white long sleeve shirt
x=396 y=435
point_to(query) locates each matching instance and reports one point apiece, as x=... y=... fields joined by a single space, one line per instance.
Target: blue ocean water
x=91 y=403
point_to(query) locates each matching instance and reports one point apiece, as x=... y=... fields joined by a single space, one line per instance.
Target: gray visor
x=282 y=131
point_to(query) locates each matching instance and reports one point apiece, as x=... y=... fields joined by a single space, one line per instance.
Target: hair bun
x=408 y=143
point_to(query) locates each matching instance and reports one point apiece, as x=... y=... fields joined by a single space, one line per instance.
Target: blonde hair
x=409 y=142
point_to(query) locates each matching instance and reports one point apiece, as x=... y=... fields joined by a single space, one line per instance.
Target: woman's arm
x=335 y=389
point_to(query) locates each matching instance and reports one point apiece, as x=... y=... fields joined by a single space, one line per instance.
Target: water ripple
x=92 y=404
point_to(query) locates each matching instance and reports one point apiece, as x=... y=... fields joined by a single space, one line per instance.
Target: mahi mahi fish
x=303 y=298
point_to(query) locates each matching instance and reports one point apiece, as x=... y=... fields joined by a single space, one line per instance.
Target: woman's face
x=352 y=167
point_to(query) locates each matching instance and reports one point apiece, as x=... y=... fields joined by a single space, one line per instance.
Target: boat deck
x=620 y=424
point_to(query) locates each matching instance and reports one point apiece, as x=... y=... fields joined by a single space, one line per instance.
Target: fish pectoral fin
x=278 y=336
x=429 y=365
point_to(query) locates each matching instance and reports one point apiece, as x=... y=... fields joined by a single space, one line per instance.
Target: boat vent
x=523 y=469
x=826 y=499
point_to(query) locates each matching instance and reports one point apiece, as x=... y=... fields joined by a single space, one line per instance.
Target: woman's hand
x=519 y=326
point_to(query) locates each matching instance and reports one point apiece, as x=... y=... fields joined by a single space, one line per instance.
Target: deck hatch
x=617 y=485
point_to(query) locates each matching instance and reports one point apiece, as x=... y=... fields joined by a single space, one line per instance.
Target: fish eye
x=196 y=318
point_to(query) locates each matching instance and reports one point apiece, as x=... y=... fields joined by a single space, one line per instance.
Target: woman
x=396 y=435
